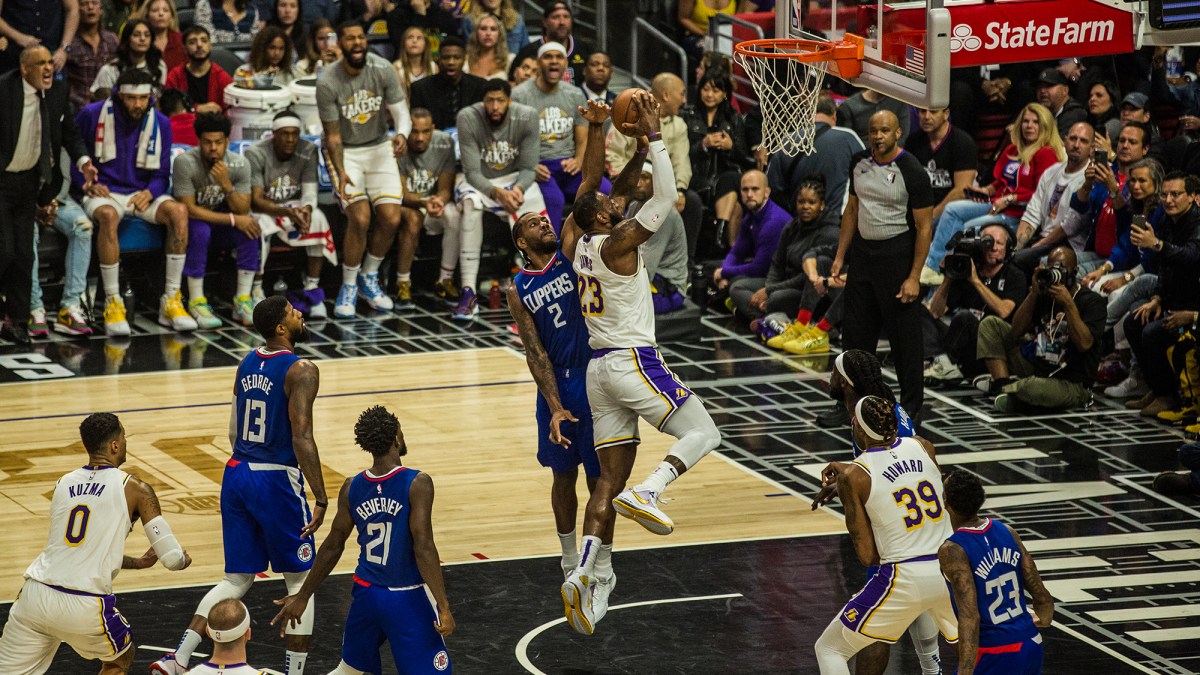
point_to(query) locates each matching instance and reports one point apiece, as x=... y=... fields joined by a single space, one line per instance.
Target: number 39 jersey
x=995 y=561
x=618 y=309
x=89 y=521
x=905 y=503
x=264 y=428
x=379 y=507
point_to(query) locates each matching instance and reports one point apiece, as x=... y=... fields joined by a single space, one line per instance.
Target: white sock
x=370 y=264
x=110 y=278
x=604 y=568
x=403 y=276
x=591 y=551
x=245 y=279
x=311 y=283
x=195 y=288
x=567 y=542
x=659 y=479
x=174 y=272
x=445 y=274
x=294 y=662
x=349 y=275
x=183 y=653
x=257 y=287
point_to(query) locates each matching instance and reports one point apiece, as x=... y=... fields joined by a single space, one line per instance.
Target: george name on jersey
x=996 y=556
x=552 y=291
x=377 y=505
x=257 y=381
x=86 y=489
x=902 y=467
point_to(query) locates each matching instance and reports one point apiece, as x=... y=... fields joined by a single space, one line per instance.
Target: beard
x=356 y=60
x=543 y=247
x=301 y=335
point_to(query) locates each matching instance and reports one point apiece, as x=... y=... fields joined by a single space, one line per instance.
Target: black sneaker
x=834 y=416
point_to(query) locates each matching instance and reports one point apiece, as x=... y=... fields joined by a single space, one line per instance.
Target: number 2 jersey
x=618 y=309
x=995 y=561
x=905 y=502
x=89 y=521
x=380 y=508
x=264 y=427
x=550 y=296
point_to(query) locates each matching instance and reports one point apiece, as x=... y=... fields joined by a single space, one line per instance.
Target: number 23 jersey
x=264 y=427
x=905 y=502
x=618 y=309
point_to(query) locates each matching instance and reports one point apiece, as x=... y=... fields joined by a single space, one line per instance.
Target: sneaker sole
x=643 y=517
x=464 y=317
x=573 y=608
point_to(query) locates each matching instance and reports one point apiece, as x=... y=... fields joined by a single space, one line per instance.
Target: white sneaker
x=642 y=506
x=604 y=589
x=931 y=277
x=943 y=369
x=1129 y=387
x=347 y=301
x=167 y=665
x=568 y=565
x=577 y=602
x=371 y=290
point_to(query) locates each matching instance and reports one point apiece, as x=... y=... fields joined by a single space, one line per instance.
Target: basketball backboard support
x=906 y=54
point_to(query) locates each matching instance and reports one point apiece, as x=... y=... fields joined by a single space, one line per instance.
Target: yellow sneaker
x=815 y=341
x=172 y=314
x=404 y=295
x=115 y=323
x=794 y=330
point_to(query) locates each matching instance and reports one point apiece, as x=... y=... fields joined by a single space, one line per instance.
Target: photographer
x=1047 y=357
x=979 y=282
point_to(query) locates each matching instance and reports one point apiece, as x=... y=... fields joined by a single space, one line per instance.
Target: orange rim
x=847 y=53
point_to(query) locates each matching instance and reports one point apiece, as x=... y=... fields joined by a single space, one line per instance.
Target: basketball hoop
x=787 y=75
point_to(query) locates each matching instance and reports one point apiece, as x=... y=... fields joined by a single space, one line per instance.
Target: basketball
x=623 y=111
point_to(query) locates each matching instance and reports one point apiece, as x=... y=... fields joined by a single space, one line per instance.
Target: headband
x=285 y=122
x=871 y=433
x=552 y=47
x=135 y=89
x=229 y=634
x=837 y=363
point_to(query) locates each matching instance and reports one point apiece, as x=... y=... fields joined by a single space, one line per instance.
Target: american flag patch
x=914 y=60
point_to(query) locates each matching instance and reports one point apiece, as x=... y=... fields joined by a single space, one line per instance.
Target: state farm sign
x=1052 y=29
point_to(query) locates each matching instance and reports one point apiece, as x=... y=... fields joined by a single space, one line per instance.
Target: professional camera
x=966 y=246
x=1051 y=275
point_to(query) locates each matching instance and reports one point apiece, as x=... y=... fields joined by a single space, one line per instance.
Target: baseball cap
x=1136 y=100
x=1052 y=76
x=554 y=6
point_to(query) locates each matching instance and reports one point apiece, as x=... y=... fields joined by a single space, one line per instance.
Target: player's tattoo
x=535 y=354
x=957 y=570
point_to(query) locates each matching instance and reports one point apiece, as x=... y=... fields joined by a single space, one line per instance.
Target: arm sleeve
x=652 y=251
x=160 y=180
x=400 y=118
x=654 y=212
x=530 y=151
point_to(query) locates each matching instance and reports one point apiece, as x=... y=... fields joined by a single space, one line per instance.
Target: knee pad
x=294 y=580
x=697 y=433
x=232 y=586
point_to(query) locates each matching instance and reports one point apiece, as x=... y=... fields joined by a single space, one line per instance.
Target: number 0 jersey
x=618 y=308
x=89 y=521
x=905 y=502
x=264 y=428
x=379 y=507
x=549 y=295
x=995 y=561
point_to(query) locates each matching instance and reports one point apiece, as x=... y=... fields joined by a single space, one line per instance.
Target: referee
x=884 y=240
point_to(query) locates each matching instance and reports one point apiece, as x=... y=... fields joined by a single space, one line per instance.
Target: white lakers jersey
x=905 y=503
x=236 y=669
x=89 y=521
x=617 y=308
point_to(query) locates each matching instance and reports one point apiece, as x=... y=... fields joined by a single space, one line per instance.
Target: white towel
x=150 y=146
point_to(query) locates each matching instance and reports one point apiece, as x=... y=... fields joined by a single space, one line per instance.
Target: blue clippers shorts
x=572 y=391
x=405 y=619
x=263 y=509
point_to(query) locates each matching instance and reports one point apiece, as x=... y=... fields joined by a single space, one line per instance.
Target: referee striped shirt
x=888 y=193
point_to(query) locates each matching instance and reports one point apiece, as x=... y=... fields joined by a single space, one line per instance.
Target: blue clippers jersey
x=551 y=297
x=995 y=561
x=904 y=428
x=379 y=507
x=264 y=428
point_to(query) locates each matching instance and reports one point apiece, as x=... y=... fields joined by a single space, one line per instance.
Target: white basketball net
x=787 y=92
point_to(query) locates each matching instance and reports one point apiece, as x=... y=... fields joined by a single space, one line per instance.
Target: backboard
x=906 y=53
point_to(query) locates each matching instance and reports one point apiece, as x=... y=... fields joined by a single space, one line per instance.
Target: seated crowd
x=1067 y=255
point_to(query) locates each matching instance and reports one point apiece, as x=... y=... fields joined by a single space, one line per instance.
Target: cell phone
x=330 y=37
x=1139 y=220
x=1100 y=157
x=975 y=195
x=713 y=129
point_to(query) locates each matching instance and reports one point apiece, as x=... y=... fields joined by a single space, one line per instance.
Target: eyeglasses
x=1174 y=195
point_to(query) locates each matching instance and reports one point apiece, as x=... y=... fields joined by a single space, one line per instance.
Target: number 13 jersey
x=264 y=428
x=618 y=309
x=905 y=503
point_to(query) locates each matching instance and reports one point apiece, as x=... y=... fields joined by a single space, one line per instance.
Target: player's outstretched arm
x=429 y=564
x=539 y=366
x=854 y=486
x=957 y=570
x=595 y=113
x=301 y=384
x=328 y=555
x=1043 y=602
x=626 y=181
x=144 y=506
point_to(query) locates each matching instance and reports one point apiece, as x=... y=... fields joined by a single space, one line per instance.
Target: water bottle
x=494 y=296
x=1175 y=62
x=280 y=287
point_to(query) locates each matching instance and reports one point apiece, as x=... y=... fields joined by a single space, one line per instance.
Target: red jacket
x=174 y=54
x=183 y=129
x=1012 y=177
x=218 y=79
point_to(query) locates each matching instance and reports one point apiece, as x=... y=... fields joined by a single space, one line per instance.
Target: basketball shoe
x=404 y=295
x=243 y=310
x=604 y=589
x=445 y=290
x=38 y=328
x=792 y=332
x=370 y=290
x=467 y=308
x=814 y=341
x=72 y=321
x=577 y=593
x=201 y=313
x=642 y=506
x=347 y=298
x=115 y=322
x=172 y=314
x=167 y=665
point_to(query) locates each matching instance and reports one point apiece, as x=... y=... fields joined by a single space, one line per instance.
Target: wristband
x=656 y=136
x=231 y=221
x=324 y=505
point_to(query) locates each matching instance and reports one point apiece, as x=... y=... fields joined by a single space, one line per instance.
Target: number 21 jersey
x=264 y=427
x=905 y=503
x=380 y=508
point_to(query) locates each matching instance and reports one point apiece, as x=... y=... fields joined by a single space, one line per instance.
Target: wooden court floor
x=468 y=421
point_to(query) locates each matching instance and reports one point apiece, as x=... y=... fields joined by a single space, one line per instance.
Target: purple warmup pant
x=561 y=184
x=202 y=235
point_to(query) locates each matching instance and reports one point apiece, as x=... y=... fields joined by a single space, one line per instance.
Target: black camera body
x=966 y=246
x=1053 y=274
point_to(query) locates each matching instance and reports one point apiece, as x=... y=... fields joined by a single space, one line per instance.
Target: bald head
x=754 y=191
x=669 y=90
x=227 y=614
x=663 y=80
x=37 y=68
x=1065 y=256
x=883 y=135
